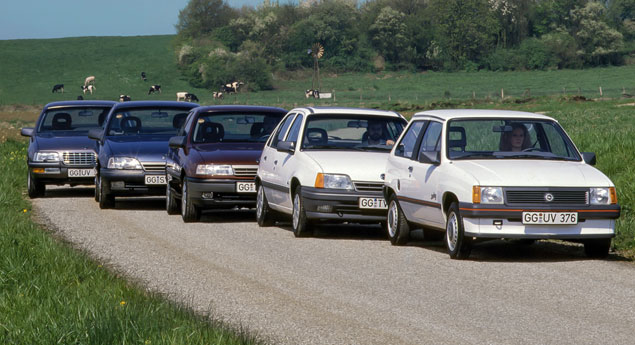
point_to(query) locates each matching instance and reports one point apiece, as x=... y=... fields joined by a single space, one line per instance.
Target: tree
x=388 y=34
x=201 y=17
x=594 y=36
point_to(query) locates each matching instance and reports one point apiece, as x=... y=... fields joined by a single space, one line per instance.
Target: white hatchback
x=326 y=164
x=496 y=174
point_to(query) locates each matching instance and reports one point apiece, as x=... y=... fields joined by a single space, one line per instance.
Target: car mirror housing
x=589 y=158
x=430 y=157
x=96 y=134
x=27 y=131
x=286 y=146
x=177 y=142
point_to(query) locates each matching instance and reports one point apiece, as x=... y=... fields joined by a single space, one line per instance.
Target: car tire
x=106 y=199
x=97 y=188
x=35 y=188
x=300 y=223
x=459 y=246
x=171 y=203
x=597 y=248
x=264 y=214
x=396 y=223
x=189 y=211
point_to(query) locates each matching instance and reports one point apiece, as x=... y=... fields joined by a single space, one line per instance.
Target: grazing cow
x=180 y=96
x=217 y=95
x=312 y=93
x=190 y=97
x=89 y=80
x=89 y=88
x=58 y=88
x=124 y=98
x=80 y=98
x=232 y=87
x=154 y=88
x=143 y=76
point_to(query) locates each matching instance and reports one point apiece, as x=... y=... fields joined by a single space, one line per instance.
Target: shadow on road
x=69 y=192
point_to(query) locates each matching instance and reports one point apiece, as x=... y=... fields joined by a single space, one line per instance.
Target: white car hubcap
x=393 y=214
x=296 y=211
x=452 y=231
x=259 y=202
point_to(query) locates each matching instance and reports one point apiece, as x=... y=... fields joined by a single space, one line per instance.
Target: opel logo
x=548 y=197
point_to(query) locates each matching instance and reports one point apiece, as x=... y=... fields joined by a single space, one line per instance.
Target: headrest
x=62 y=121
x=257 y=129
x=179 y=120
x=131 y=124
x=461 y=141
x=316 y=136
x=212 y=132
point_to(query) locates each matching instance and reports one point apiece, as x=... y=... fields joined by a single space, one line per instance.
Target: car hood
x=146 y=148
x=48 y=141
x=359 y=166
x=533 y=173
x=230 y=153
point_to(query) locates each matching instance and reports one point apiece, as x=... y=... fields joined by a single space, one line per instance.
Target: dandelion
x=122 y=303
x=24 y=210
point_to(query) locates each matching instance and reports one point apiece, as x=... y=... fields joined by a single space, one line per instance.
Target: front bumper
x=224 y=192
x=131 y=182
x=340 y=205
x=57 y=173
x=501 y=221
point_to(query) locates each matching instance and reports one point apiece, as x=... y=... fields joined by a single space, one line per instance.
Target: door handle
x=264 y=158
x=275 y=162
x=409 y=169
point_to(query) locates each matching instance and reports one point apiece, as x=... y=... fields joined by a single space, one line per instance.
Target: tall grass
x=51 y=294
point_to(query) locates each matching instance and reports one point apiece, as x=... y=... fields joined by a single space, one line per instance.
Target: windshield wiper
x=372 y=148
x=325 y=147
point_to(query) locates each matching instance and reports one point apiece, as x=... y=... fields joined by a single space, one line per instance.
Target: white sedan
x=496 y=174
x=326 y=164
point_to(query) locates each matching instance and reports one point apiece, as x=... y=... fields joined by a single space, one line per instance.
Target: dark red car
x=213 y=161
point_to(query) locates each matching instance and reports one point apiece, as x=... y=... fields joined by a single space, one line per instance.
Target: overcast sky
x=72 y=18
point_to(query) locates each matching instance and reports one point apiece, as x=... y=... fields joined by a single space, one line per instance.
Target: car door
x=399 y=169
x=426 y=178
x=275 y=189
x=286 y=163
x=177 y=157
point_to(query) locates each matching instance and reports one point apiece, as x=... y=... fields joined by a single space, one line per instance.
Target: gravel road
x=349 y=285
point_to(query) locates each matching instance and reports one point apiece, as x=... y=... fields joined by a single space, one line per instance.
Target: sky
x=20 y=19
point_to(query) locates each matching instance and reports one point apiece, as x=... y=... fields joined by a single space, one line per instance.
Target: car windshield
x=351 y=132
x=72 y=121
x=234 y=127
x=147 y=121
x=508 y=139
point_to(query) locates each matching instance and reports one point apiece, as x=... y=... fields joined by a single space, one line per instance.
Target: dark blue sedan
x=59 y=151
x=132 y=148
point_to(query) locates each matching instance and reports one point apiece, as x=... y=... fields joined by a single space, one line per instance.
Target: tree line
x=217 y=44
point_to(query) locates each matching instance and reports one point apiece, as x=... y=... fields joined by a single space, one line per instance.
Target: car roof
x=448 y=114
x=344 y=110
x=246 y=108
x=91 y=103
x=141 y=104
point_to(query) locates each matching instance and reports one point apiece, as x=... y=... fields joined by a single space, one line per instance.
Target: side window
x=407 y=144
x=185 y=128
x=295 y=129
x=282 y=130
x=431 y=139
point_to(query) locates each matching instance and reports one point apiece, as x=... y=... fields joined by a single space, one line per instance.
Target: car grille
x=153 y=166
x=560 y=197
x=79 y=158
x=362 y=186
x=245 y=170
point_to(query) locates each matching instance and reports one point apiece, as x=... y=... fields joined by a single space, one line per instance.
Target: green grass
x=51 y=294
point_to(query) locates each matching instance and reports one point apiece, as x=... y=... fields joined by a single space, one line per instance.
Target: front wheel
x=301 y=225
x=597 y=248
x=189 y=211
x=264 y=214
x=397 y=225
x=106 y=200
x=97 y=188
x=459 y=246
x=171 y=203
x=35 y=188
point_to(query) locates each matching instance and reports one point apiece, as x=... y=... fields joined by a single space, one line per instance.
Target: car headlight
x=602 y=196
x=47 y=157
x=214 y=169
x=123 y=163
x=334 y=181
x=487 y=195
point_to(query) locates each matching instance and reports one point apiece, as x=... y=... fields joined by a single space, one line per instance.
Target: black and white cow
x=124 y=98
x=58 y=88
x=143 y=76
x=312 y=93
x=154 y=88
x=190 y=97
x=232 y=87
x=90 y=88
x=217 y=95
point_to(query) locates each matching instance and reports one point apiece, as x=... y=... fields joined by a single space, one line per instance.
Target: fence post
x=601 y=93
x=473 y=95
x=333 y=92
x=502 y=94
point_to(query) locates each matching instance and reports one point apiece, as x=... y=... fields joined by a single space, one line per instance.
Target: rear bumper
x=223 y=193
x=341 y=205
x=56 y=173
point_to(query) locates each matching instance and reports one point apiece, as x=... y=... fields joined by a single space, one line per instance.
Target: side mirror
x=286 y=146
x=177 y=142
x=96 y=134
x=26 y=132
x=589 y=158
x=430 y=157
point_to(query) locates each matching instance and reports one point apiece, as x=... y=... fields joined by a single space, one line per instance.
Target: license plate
x=550 y=218
x=81 y=172
x=376 y=203
x=156 y=179
x=245 y=187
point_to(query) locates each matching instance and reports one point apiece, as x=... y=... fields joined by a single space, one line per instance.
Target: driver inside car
x=375 y=134
x=515 y=140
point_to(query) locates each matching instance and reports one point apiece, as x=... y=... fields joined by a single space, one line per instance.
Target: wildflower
x=24 y=210
x=122 y=303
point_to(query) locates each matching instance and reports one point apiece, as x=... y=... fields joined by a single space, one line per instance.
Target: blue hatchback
x=132 y=148
x=59 y=151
